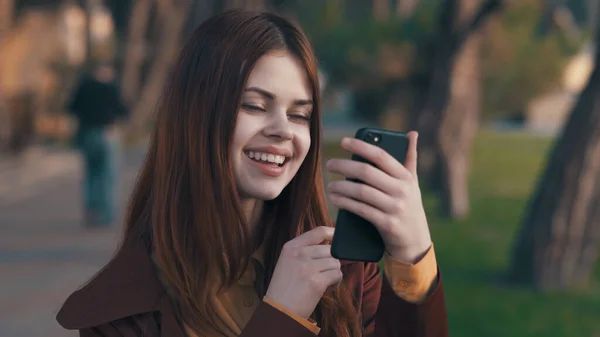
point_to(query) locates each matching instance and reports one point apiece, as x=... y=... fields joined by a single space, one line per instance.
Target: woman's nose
x=279 y=127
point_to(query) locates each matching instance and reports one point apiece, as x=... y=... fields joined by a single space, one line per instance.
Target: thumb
x=411 y=156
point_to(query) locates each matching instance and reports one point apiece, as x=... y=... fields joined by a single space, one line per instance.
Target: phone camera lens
x=374 y=138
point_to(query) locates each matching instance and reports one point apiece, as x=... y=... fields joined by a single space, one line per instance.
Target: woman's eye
x=251 y=107
x=302 y=118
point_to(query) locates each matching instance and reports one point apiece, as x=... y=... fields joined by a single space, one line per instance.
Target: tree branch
x=483 y=13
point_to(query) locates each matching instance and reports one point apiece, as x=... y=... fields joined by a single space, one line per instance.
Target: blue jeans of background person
x=100 y=148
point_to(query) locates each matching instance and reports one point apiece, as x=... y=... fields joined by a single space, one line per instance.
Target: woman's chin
x=268 y=195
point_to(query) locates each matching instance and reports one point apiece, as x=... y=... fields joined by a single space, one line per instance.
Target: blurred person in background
x=228 y=229
x=98 y=108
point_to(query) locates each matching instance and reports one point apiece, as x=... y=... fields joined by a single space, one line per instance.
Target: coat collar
x=127 y=286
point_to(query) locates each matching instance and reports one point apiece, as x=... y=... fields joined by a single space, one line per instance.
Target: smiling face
x=272 y=131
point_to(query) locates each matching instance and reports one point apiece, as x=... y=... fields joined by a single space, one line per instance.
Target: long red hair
x=185 y=205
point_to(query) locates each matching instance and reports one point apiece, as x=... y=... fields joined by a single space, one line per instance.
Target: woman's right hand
x=304 y=271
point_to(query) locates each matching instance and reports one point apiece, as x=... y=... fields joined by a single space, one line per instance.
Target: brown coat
x=126 y=299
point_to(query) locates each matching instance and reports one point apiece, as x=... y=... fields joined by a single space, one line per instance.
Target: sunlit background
x=505 y=95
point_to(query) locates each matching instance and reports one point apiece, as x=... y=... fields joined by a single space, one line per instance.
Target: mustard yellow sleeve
x=412 y=282
x=307 y=323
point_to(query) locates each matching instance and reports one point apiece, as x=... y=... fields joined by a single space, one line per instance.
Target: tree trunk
x=405 y=8
x=256 y=5
x=558 y=242
x=381 y=9
x=6 y=22
x=135 y=51
x=7 y=8
x=169 y=41
x=89 y=57
x=231 y=4
x=400 y=101
x=459 y=121
x=426 y=120
x=458 y=21
x=199 y=12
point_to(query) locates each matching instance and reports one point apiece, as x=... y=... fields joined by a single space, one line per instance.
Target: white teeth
x=268 y=157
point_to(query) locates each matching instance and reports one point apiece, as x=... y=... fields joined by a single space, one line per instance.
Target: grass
x=474 y=253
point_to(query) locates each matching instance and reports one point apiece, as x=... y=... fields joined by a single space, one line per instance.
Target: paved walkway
x=44 y=252
x=36 y=170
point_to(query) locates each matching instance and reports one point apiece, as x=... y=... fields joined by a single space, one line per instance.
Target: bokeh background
x=504 y=93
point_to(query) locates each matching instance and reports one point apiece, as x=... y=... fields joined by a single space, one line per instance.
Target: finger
x=328 y=278
x=375 y=155
x=411 y=155
x=363 y=192
x=317 y=251
x=365 y=211
x=323 y=265
x=313 y=237
x=364 y=172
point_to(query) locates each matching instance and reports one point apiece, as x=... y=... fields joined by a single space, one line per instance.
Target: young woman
x=228 y=228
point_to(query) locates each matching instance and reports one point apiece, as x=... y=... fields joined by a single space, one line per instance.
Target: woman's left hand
x=390 y=196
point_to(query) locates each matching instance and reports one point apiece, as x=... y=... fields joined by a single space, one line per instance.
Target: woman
x=228 y=225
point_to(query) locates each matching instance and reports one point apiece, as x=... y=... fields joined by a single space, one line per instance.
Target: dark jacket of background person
x=96 y=104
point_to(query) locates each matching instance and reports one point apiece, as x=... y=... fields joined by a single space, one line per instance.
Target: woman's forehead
x=282 y=75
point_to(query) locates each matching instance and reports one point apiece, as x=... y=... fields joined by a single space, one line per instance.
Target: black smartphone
x=355 y=238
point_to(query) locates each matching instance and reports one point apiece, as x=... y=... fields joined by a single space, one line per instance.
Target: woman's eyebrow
x=271 y=96
x=302 y=102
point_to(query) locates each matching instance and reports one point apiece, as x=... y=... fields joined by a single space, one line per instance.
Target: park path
x=45 y=253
